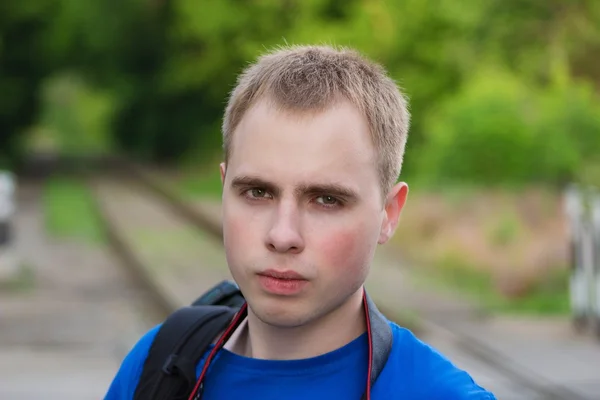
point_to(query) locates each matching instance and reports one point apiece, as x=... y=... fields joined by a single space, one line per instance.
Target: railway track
x=71 y=314
x=500 y=374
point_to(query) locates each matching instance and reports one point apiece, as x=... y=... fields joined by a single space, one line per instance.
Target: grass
x=69 y=211
x=549 y=296
x=483 y=244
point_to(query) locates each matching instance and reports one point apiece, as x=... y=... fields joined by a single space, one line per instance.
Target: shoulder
x=429 y=373
x=125 y=381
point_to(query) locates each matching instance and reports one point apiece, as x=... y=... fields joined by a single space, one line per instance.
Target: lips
x=282 y=283
x=284 y=275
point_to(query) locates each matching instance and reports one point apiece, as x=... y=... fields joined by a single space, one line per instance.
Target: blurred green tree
x=498 y=130
x=25 y=60
x=169 y=65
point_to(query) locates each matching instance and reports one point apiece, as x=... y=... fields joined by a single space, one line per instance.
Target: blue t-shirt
x=414 y=371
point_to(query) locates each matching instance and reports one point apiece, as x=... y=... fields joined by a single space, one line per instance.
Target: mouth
x=283 y=275
x=282 y=283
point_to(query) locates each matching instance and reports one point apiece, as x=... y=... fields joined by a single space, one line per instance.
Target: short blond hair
x=312 y=79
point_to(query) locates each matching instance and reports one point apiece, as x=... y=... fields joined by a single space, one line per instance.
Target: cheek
x=237 y=233
x=346 y=251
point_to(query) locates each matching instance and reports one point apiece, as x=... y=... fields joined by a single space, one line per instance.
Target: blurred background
x=505 y=103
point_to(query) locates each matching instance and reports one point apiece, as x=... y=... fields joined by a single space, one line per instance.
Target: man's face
x=302 y=211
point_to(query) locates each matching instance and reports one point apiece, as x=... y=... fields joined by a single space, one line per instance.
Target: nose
x=284 y=235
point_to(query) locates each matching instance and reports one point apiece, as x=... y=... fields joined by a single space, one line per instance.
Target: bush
x=570 y=120
x=498 y=131
x=76 y=115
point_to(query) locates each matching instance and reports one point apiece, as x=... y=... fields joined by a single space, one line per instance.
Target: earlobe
x=393 y=208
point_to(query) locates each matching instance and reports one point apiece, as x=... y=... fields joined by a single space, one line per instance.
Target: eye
x=328 y=200
x=256 y=193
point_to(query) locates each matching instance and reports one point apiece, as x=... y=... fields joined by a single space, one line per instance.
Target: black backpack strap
x=169 y=371
x=380 y=343
x=170 y=368
x=226 y=293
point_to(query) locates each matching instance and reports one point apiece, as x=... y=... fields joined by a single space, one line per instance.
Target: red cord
x=234 y=324
x=370 y=340
x=218 y=345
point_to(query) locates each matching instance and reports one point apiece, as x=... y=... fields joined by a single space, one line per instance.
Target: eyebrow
x=333 y=189
x=252 y=181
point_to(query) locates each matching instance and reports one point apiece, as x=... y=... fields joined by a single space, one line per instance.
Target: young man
x=314 y=139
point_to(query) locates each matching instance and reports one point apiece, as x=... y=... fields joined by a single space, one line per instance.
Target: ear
x=223 y=169
x=394 y=204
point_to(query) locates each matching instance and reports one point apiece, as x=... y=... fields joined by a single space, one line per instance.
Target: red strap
x=197 y=391
x=198 y=388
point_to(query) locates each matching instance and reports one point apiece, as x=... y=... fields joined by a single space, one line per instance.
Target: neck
x=256 y=339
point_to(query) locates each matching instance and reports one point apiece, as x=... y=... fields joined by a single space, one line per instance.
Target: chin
x=278 y=314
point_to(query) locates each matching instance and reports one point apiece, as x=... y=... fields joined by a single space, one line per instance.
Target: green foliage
x=167 y=67
x=77 y=115
x=498 y=130
x=24 y=62
x=590 y=174
x=481 y=134
x=505 y=230
x=571 y=115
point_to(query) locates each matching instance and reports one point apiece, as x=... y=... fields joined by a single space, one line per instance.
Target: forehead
x=334 y=144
